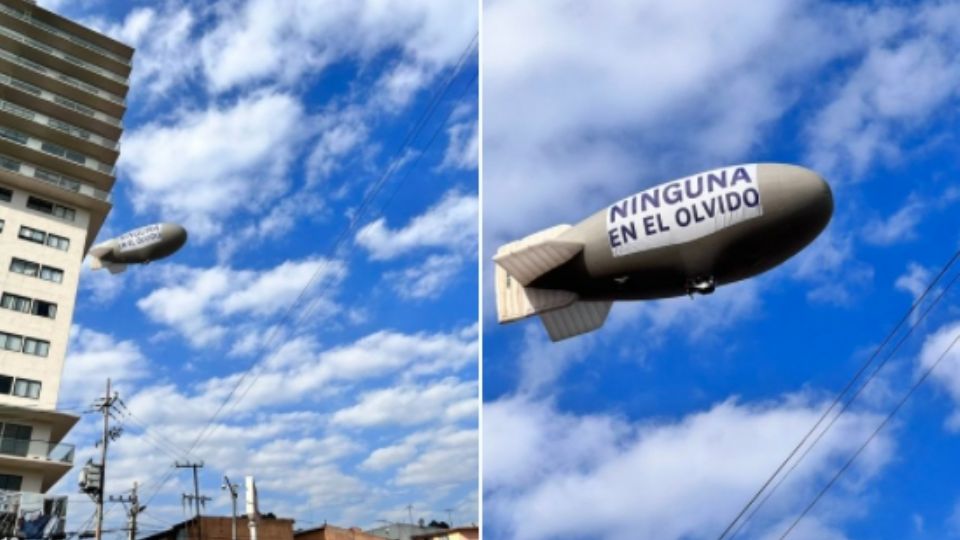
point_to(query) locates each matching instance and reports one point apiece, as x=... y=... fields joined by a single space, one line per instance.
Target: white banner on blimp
x=137 y=238
x=684 y=210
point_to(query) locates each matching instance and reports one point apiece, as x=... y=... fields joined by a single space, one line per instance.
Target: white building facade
x=62 y=97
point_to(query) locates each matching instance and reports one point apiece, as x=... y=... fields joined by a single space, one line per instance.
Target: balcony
x=48 y=460
x=31 y=515
x=63 y=182
x=35 y=449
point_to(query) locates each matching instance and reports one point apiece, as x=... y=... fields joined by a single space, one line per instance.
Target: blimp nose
x=174 y=233
x=806 y=192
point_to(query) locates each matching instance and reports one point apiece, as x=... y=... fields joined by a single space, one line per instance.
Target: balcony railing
x=36 y=449
x=65 y=35
x=50 y=177
x=31 y=515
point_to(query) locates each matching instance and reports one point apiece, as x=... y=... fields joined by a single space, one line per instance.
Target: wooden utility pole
x=197 y=499
x=133 y=511
x=104 y=406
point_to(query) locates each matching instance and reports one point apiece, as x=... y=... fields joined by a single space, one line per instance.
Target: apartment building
x=62 y=98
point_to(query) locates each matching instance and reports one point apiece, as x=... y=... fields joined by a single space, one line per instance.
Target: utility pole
x=133 y=511
x=197 y=499
x=410 y=510
x=105 y=406
x=233 y=499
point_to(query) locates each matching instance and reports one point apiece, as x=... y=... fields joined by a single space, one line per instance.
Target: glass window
x=10 y=482
x=6 y=194
x=6 y=384
x=58 y=242
x=40 y=205
x=26 y=388
x=51 y=274
x=16 y=439
x=44 y=309
x=11 y=342
x=13 y=135
x=9 y=164
x=32 y=235
x=27 y=87
x=15 y=302
x=36 y=347
x=1 y=225
x=26 y=268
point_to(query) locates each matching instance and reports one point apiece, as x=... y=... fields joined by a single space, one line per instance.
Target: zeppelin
x=138 y=246
x=683 y=237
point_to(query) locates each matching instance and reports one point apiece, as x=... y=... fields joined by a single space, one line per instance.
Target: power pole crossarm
x=197 y=499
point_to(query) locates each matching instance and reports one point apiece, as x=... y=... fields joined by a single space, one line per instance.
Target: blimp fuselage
x=682 y=237
x=138 y=246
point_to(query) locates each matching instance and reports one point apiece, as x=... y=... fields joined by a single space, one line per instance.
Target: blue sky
x=261 y=127
x=666 y=420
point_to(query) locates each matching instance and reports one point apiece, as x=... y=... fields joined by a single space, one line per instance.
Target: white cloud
x=908 y=72
x=165 y=48
x=450 y=459
x=947 y=374
x=915 y=281
x=899 y=227
x=260 y=40
x=426 y=280
x=340 y=134
x=92 y=357
x=451 y=224
x=449 y=399
x=202 y=303
x=305 y=372
x=208 y=165
x=463 y=146
x=549 y=475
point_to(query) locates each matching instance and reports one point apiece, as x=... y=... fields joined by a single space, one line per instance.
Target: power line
x=872 y=436
x=357 y=215
x=840 y=396
x=847 y=405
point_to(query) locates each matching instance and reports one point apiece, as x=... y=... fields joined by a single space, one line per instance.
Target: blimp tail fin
x=515 y=302
x=575 y=319
x=96 y=263
x=531 y=257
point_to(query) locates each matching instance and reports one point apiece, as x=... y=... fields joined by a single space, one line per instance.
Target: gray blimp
x=138 y=246
x=683 y=237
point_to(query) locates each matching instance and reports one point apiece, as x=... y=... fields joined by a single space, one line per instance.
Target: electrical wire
x=879 y=428
x=357 y=215
x=847 y=405
x=838 y=399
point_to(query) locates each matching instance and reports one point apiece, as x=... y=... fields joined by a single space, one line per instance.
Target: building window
x=26 y=268
x=65 y=153
x=14 y=302
x=10 y=482
x=6 y=384
x=16 y=439
x=13 y=135
x=10 y=165
x=58 y=242
x=32 y=235
x=26 y=388
x=44 y=309
x=47 y=207
x=11 y=342
x=36 y=347
x=6 y=194
x=49 y=273
x=1 y=225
